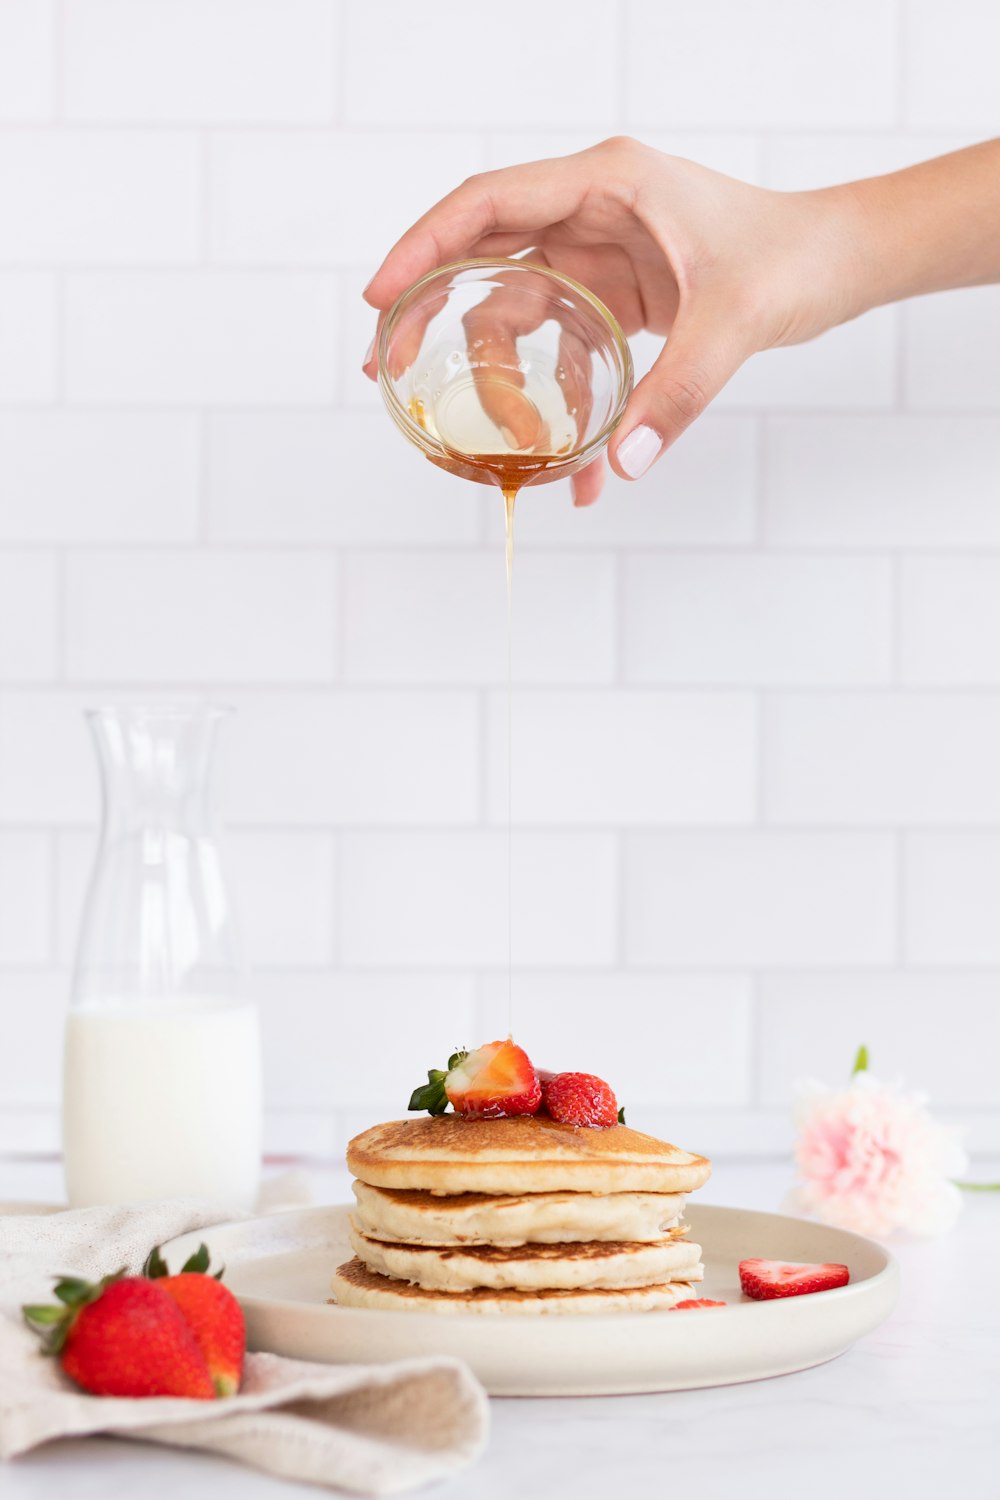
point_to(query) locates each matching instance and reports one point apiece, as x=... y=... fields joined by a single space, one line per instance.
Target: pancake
x=526 y=1154
x=413 y=1217
x=531 y=1268
x=355 y=1286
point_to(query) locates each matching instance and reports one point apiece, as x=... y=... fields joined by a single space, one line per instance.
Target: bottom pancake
x=355 y=1286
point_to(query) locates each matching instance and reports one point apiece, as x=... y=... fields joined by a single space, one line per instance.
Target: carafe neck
x=156 y=766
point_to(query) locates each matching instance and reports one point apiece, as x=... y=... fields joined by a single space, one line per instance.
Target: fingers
x=574 y=379
x=516 y=200
x=492 y=329
x=694 y=365
x=370 y=363
x=588 y=483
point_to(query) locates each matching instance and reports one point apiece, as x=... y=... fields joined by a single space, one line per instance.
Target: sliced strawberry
x=580 y=1099
x=697 y=1302
x=763 y=1279
x=495 y=1080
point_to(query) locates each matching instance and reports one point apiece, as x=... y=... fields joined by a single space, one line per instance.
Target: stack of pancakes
x=519 y=1215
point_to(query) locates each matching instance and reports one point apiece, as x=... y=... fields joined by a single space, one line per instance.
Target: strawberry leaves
x=155 y=1266
x=431 y=1096
x=52 y=1323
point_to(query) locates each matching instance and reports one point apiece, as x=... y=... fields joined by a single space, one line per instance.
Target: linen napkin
x=371 y=1429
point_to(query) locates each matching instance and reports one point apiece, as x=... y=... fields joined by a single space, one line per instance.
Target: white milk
x=162 y=1100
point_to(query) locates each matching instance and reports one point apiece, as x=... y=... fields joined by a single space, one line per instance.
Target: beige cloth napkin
x=371 y=1429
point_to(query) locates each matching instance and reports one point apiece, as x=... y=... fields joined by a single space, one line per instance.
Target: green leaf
x=860 y=1061
x=52 y=1324
x=155 y=1265
x=455 y=1059
x=72 y=1290
x=431 y=1096
x=199 y=1261
x=621 y=1115
x=43 y=1313
x=979 y=1187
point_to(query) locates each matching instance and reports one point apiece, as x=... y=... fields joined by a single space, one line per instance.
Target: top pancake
x=525 y=1154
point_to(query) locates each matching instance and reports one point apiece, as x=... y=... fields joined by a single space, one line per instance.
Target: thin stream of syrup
x=509 y=496
x=511 y=472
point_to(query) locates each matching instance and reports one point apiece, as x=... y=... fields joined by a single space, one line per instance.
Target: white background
x=757 y=783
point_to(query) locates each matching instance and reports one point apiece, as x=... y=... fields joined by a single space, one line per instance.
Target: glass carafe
x=161 y=1077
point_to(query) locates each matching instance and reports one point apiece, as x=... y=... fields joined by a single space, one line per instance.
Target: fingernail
x=638 y=450
x=368 y=356
x=510 y=438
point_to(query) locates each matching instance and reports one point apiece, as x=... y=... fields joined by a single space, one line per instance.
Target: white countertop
x=911 y=1412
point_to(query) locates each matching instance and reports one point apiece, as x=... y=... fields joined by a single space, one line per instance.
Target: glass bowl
x=504 y=371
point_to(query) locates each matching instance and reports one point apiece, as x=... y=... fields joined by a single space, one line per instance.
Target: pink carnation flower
x=872 y=1159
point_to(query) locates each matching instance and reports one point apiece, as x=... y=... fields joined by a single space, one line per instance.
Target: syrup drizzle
x=509 y=496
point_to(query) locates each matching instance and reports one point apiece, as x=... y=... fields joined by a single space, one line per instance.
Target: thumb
x=689 y=373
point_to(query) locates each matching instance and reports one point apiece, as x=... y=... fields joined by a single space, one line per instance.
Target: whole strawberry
x=210 y=1311
x=580 y=1099
x=122 y=1336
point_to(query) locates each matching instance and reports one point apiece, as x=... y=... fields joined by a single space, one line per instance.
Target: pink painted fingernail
x=638 y=450
x=368 y=357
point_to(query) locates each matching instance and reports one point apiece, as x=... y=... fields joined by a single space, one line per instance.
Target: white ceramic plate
x=280 y=1268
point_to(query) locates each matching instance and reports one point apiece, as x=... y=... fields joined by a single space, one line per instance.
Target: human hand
x=720 y=268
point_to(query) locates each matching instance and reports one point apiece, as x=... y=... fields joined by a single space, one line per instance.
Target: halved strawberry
x=763 y=1279
x=495 y=1080
x=697 y=1302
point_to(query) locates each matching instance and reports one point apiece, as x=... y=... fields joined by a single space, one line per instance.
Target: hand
x=722 y=268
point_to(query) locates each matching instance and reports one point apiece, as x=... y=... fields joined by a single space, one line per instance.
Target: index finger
x=519 y=199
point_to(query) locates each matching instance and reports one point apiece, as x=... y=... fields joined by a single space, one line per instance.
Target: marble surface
x=911 y=1411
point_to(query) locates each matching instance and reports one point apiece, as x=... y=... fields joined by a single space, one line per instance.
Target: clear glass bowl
x=494 y=368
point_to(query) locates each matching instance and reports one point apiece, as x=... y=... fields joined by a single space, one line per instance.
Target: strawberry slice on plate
x=764 y=1279
x=496 y=1080
x=697 y=1302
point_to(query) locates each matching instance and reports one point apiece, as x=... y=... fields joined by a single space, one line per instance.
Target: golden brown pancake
x=414 y=1217
x=355 y=1286
x=526 y=1154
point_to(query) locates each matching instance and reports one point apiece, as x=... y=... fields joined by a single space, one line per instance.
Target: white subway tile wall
x=756 y=786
